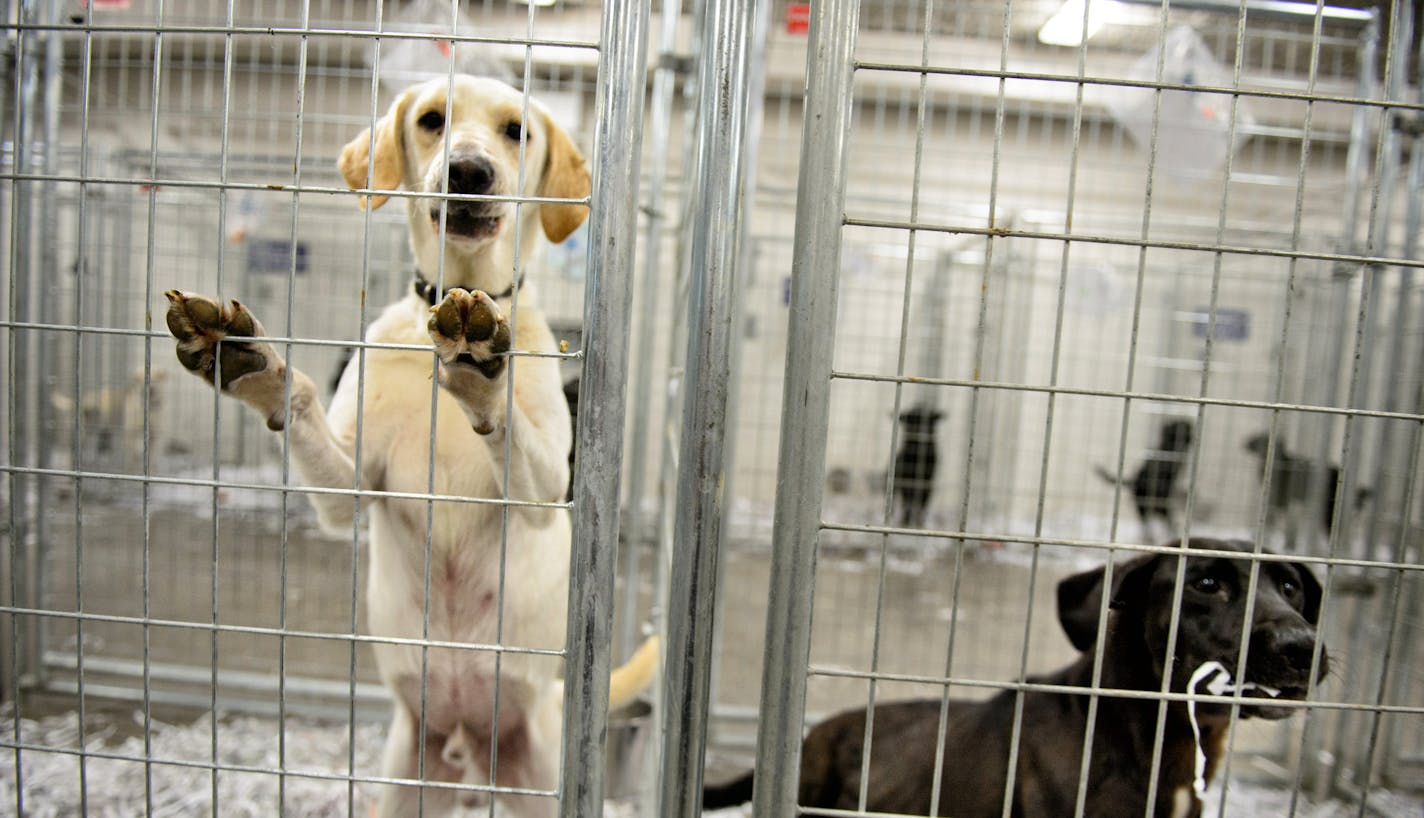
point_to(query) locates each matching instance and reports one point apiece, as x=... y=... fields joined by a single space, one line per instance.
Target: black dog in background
x=1156 y=479
x=571 y=394
x=1290 y=481
x=1134 y=646
x=913 y=475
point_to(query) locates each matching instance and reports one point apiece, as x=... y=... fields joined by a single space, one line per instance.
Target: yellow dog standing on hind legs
x=473 y=249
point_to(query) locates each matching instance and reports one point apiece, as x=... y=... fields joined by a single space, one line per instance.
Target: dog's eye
x=514 y=131
x=1206 y=585
x=1289 y=588
x=431 y=120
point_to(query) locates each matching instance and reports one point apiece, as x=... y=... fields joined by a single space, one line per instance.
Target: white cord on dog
x=1220 y=684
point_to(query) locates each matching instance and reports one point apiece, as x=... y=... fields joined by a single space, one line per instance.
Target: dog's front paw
x=468 y=330
x=243 y=366
x=199 y=323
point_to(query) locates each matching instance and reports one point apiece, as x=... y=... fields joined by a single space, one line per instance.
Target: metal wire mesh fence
x=924 y=290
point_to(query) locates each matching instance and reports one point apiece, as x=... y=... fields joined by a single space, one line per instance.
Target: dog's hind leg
x=528 y=760
x=219 y=344
x=401 y=760
x=472 y=338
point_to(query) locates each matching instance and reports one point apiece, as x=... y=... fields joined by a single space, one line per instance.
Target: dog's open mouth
x=466 y=222
x=1259 y=693
x=1213 y=677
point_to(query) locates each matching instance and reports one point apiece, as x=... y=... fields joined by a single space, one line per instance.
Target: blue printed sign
x=274 y=256
x=1231 y=324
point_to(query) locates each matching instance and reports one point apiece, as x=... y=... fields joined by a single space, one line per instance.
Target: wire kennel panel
x=253 y=225
x=959 y=126
x=157 y=549
x=1244 y=293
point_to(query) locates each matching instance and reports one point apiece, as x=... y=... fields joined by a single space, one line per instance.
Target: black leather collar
x=427 y=291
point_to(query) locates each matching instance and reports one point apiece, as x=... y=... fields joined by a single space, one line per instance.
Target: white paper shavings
x=116 y=785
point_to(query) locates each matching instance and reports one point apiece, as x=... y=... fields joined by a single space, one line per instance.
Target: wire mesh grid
x=162 y=558
x=1256 y=278
x=1061 y=282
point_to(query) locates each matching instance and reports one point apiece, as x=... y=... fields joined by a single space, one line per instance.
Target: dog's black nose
x=1292 y=647
x=474 y=174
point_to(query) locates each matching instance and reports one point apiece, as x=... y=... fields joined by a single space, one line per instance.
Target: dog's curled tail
x=634 y=676
x=1112 y=479
x=734 y=792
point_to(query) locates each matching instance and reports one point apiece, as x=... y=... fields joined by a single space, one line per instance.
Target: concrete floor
x=96 y=555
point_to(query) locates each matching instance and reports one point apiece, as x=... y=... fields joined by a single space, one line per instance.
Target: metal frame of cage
x=692 y=525
x=822 y=215
x=36 y=169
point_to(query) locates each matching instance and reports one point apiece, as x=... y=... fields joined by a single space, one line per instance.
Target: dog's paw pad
x=468 y=329
x=199 y=323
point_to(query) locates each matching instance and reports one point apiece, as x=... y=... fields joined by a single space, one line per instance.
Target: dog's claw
x=241 y=322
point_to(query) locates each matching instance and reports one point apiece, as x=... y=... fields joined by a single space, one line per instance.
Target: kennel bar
x=816 y=259
x=636 y=530
x=32 y=149
x=599 y=441
x=726 y=76
x=1395 y=460
x=642 y=526
x=1353 y=759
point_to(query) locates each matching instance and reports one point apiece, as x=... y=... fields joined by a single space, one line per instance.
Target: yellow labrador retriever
x=484 y=447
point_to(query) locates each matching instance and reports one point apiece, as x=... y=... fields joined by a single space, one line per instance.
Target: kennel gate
x=95 y=225
x=1357 y=736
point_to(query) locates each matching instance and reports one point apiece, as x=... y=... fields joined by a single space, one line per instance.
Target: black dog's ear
x=1080 y=596
x=1313 y=593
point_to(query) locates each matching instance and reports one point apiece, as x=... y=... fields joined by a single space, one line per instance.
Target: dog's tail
x=734 y=792
x=630 y=679
x=1112 y=479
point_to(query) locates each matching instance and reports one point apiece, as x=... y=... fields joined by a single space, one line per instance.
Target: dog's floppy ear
x=387 y=166
x=565 y=177
x=1313 y=593
x=1080 y=596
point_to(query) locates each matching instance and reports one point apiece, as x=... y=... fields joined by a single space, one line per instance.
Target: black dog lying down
x=976 y=753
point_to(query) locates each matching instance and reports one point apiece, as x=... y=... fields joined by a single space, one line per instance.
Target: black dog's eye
x=1289 y=588
x=1206 y=585
x=431 y=120
x=514 y=131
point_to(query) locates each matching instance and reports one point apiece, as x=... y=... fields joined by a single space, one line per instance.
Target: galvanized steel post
x=716 y=215
x=640 y=455
x=608 y=297
x=805 y=408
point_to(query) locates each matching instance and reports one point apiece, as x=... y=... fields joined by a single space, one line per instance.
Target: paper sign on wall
x=798 y=18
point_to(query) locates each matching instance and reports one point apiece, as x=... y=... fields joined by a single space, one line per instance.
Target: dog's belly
x=455 y=549
x=463 y=608
x=458 y=691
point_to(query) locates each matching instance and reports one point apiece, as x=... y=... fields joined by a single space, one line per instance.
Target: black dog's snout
x=1290 y=647
x=473 y=174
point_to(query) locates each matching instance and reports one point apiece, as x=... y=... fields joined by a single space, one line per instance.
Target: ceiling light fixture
x=1066 y=27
